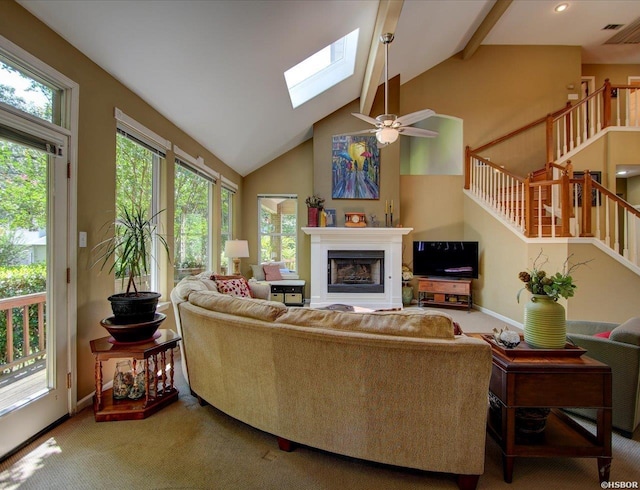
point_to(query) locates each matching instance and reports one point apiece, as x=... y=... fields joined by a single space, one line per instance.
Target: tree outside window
x=137 y=168
x=192 y=227
x=278 y=233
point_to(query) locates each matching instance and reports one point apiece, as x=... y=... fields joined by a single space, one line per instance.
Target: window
x=29 y=93
x=322 y=70
x=192 y=223
x=139 y=156
x=278 y=229
x=226 y=223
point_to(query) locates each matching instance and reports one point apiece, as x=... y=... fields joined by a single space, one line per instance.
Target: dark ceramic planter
x=133 y=332
x=134 y=308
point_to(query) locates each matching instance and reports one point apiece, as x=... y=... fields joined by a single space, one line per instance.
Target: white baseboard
x=87 y=401
x=498 y=316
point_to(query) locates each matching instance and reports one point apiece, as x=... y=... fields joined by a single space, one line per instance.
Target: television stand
x=444 y=291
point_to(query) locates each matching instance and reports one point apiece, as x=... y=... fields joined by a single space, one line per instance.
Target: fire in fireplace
x=355 y=271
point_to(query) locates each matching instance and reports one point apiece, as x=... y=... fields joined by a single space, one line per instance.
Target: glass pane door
x=33 y=360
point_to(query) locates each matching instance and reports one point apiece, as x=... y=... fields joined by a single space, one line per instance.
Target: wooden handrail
x=500 y=169
x=559 y=115
x=518 y=131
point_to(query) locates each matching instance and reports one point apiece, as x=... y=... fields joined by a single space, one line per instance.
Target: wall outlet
x=82 y=239
x=573 y=96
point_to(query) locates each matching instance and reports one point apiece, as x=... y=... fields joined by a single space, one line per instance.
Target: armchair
x=621 y=351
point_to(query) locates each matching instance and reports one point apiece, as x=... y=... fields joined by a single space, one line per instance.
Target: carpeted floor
x=186 y=446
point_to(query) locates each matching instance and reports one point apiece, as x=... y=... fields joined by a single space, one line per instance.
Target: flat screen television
x=445 y=259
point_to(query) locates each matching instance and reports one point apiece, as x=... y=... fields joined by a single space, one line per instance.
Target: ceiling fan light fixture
x=387 y=135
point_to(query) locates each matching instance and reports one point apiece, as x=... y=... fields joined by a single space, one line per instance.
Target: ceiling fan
x=389 y=126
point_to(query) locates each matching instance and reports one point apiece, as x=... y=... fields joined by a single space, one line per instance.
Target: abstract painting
x=355 y=168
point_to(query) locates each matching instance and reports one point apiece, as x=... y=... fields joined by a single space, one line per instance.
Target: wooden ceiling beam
x=483 y=30
x=386 y=21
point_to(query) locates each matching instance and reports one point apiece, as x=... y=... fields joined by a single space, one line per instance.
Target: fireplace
x=355 y=271
x=367 y=265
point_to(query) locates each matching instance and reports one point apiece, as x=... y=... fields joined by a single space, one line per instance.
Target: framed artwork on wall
x=331 y=217
x=355 y=167
x=597 y=176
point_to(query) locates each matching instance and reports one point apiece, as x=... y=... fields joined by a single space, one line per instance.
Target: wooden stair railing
x=549 y=202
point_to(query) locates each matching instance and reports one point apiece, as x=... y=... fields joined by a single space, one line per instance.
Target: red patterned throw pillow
x=233 y=286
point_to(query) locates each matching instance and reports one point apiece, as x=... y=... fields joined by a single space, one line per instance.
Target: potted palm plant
x=130 y=245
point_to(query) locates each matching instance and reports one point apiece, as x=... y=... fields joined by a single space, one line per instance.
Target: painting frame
x=331 y=218
x=597 y=177
x=355 y=167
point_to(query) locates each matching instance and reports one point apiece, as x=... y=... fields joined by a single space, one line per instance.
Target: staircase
x=549 y=203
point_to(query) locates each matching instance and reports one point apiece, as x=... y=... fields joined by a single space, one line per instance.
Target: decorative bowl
x=133 y=332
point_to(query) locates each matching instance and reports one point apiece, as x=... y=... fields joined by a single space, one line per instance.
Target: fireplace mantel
x=388 y=240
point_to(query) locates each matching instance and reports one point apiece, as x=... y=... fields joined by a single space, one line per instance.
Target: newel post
x=467 y=167
x=565 y=203
x=606 y=104
x=528 y=202
x=587 y=193
x=550 y=138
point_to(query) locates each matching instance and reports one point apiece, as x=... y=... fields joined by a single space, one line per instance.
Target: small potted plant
x=130 y=246
x=544 y=318
x=314 y=205
x=407 y=291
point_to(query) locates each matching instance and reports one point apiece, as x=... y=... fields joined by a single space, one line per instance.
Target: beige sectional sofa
x=392 y=387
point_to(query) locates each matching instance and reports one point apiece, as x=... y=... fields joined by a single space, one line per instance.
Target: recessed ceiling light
x=561 y=7
x=621 y=172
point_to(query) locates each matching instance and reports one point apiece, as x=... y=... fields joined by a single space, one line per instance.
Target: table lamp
x=235 y=249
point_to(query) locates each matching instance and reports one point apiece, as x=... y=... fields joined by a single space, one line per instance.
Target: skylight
x=322 y=70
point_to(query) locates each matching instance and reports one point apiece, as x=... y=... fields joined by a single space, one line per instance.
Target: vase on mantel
x=407 y=295
x=312 y=216
x=545 y=324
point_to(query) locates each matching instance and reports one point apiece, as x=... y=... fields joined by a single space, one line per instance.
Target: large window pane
x=192 y=222
x=226 y=225
x=25 y=92
x=23 y=272
x=136 y=173
x=278 y=229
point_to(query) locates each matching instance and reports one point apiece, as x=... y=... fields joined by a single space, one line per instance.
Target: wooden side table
x=545 y=380
x=159 y=392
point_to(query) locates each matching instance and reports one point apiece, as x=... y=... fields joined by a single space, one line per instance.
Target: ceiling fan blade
x=368 y=119
x=352 y=133
x=414 y=117
x=422 y=133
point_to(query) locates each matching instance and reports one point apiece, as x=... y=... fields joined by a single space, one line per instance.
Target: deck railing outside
x=30 y=309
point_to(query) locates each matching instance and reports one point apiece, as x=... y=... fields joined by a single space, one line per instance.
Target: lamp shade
x=236 y=248
x=387 y=135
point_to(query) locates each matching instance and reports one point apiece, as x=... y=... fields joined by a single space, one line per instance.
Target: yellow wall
x=100 y=93
x=292 y=173
x=499 y=89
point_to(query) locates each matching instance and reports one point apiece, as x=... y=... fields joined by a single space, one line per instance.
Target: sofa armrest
x=589 y=328
x=624 y=360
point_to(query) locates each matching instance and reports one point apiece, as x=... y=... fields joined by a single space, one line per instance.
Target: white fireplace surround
x=388 y=240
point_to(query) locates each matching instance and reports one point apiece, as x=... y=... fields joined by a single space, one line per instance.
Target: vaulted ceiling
x=215 y=67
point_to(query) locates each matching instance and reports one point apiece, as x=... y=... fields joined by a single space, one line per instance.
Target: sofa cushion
x=258 y=272
x=628 y=332
x=233 y=286
x=258 y=309
x=405 y=323
x=272 y=273
x=189 y=284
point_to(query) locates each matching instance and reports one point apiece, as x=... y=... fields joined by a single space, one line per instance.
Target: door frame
x=68 y=127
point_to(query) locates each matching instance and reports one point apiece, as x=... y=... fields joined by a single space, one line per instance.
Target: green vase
x=545 y=324
x=407 y=295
